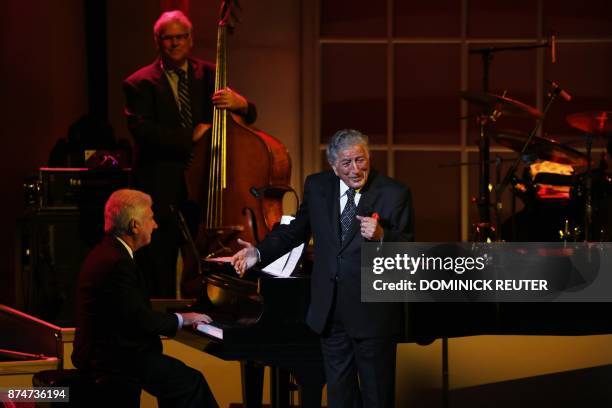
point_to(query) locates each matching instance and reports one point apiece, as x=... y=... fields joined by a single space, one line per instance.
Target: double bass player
x=169 y=106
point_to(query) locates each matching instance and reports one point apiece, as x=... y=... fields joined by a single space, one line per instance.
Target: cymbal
x=502 y=104
x=542 y=147
x=595 y=122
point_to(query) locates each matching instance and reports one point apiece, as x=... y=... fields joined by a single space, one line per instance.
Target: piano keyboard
x=211 y=330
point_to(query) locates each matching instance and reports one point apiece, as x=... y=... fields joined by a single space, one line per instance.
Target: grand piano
x=259 y=321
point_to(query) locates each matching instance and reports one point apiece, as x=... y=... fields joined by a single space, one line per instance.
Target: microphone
x=560 y=91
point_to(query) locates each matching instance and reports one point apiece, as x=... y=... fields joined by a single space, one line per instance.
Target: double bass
x=239 y=174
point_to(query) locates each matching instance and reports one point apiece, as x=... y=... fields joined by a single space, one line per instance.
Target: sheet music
x=284 y=266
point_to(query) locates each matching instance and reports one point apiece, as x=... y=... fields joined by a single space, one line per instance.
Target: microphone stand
x=588 y=213
x=487 y=54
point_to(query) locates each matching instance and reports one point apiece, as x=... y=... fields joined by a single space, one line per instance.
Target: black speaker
x=63 y=221
x=53 y=245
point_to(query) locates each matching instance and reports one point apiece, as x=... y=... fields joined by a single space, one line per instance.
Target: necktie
x=184 y=99
x=348 y=213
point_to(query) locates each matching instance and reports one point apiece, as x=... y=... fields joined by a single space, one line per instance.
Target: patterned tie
x=348 y=213
x=184 y=99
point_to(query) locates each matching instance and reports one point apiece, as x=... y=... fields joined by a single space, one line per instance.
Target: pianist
x=341 y=209
x=117 y=331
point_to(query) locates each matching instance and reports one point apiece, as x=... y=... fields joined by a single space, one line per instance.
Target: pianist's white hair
x=122 y=207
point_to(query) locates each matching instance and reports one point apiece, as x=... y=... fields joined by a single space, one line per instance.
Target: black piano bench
x=108 y=391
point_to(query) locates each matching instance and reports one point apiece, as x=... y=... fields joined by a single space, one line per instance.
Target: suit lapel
x=118 y=246
x=332 y=201
x=165 y=91
x=369 y=195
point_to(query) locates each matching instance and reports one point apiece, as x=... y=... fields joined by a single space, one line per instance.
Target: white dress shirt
x=343 y=197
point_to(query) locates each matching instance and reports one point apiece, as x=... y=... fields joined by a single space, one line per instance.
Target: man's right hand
x=245 y=258
x=191 y=318
x=199 y=130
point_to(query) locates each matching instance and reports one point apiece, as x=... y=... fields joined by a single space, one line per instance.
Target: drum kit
x=565 y=197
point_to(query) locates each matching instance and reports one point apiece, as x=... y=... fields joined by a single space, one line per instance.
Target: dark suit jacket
x=115 y=322
x=339 y=264
x=163 y=147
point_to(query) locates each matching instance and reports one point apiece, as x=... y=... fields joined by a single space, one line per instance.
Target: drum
x=549 y=214
x=552 y=181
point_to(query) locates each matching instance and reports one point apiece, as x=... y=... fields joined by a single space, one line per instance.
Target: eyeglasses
x=177 y=37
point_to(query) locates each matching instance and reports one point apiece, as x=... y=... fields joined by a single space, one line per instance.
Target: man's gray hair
x=123 y=206
x=342 y=140
x=174 y=15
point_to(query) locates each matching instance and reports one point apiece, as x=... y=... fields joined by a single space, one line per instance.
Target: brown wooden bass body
x=258 y=175
x=238 y=176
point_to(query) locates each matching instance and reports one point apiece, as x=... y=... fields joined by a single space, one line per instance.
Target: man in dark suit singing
x=117 y=332
x=169 y=108
x=341 y=209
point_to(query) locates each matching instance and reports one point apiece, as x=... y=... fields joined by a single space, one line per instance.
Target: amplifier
x=71 y=188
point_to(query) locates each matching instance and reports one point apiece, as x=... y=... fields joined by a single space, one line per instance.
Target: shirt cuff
x=180 y=320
